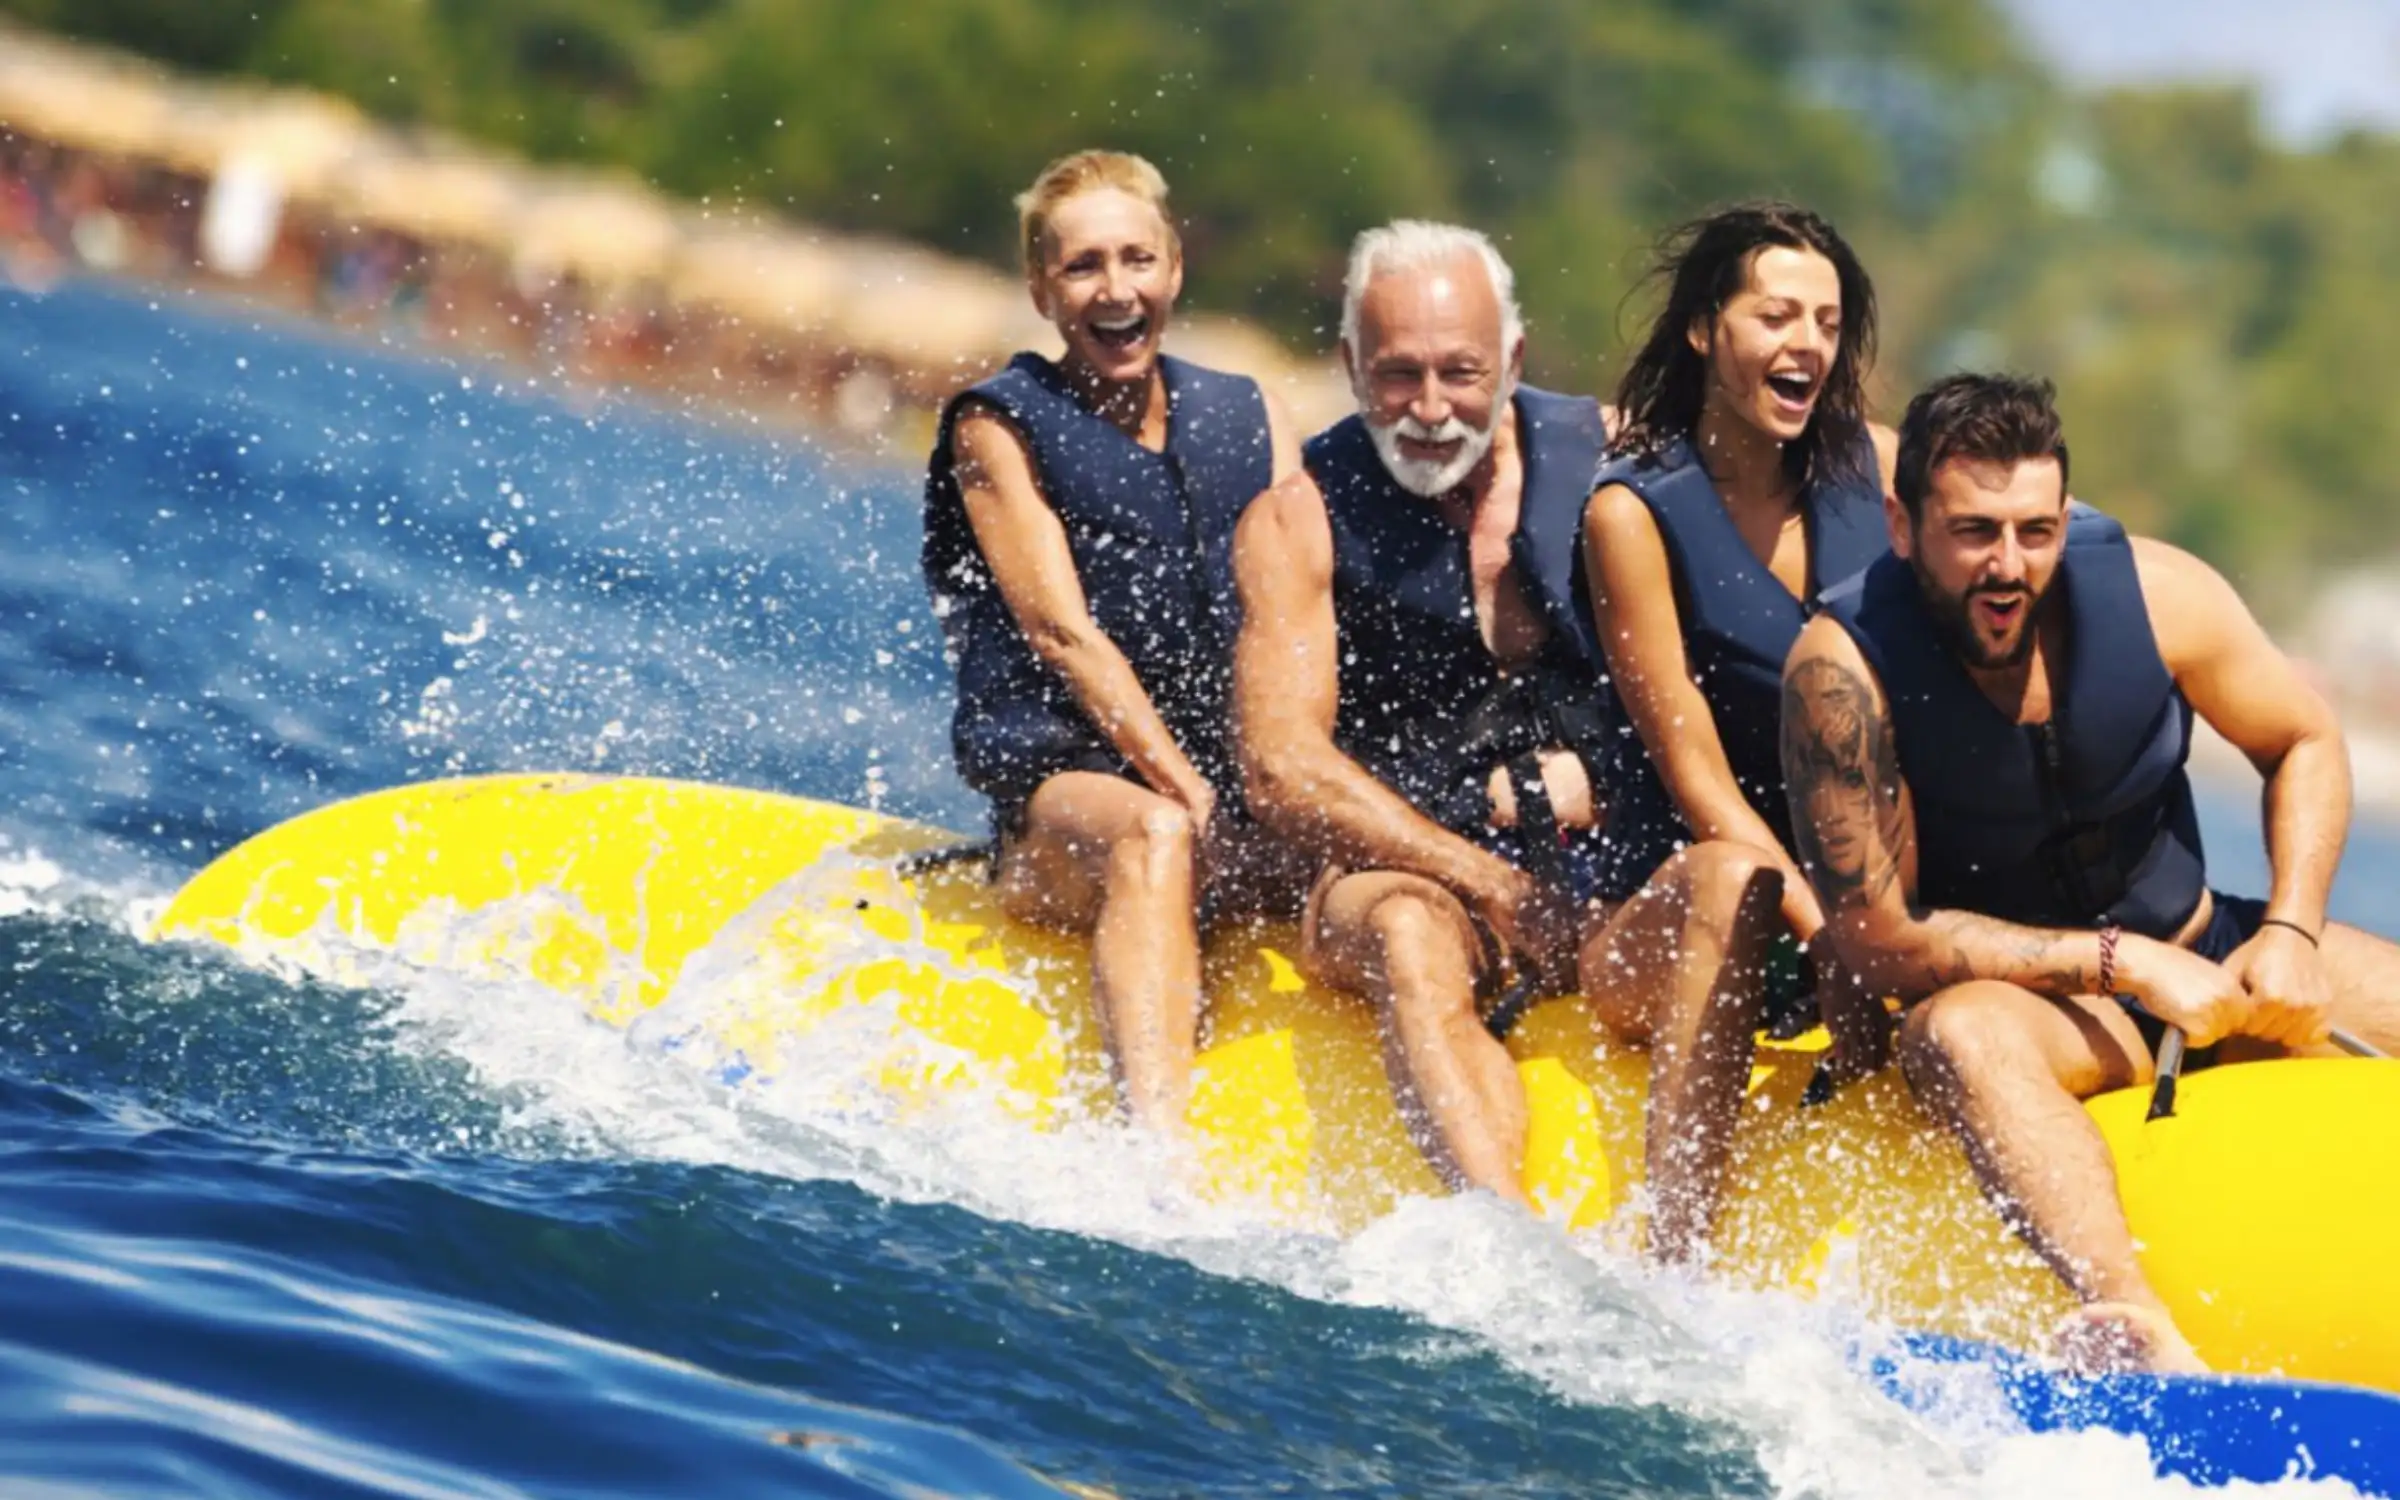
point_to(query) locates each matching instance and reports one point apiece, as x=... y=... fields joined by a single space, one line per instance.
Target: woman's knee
x=1157 y=847
x=1717 y=877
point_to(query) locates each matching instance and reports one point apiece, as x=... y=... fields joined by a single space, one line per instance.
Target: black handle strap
x=2170 y=1069
x=1537 y=821
x=1523 y=989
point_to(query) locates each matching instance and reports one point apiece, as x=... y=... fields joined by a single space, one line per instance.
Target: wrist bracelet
x=2108 y=959
x=2293 y=926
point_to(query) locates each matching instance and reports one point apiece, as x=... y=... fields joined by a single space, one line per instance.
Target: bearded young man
x=1405 y=711
x=1984 y=743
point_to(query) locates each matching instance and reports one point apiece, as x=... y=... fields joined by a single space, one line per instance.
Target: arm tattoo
x=1841 y=773
x=1841 y=770
x=1967 y=945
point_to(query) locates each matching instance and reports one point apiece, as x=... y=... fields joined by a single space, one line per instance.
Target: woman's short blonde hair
x=1079 y=172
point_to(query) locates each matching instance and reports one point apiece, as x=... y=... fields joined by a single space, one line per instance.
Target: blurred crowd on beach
x=66 y=208
x=298 y=201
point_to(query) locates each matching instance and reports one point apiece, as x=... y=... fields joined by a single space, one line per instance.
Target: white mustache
x=1451 y=430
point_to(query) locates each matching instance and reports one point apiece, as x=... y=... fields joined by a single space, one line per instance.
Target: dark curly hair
x=1997 y=419
x=1704 y=264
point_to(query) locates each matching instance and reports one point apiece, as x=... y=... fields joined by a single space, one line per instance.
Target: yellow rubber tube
x=2266 y=1208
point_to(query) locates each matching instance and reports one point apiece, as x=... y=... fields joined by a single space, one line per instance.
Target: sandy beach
x=111 y=166
x=114 y=166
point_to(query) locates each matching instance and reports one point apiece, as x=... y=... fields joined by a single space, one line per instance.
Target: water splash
x=1597 y=1328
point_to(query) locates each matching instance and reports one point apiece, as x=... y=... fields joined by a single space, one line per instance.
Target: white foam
x=26 y=882
x=1580 y=1317
x=105 y=884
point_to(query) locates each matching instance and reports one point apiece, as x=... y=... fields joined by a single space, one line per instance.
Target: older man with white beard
x=1404 y=710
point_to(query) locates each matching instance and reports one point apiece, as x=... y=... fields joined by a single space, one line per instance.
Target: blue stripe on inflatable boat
x=2210 y=1429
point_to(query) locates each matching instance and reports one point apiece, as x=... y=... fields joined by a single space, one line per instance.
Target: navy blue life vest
x=2085 y=820
x=1739 y=622
x=1152 y=538
x=1424 y=707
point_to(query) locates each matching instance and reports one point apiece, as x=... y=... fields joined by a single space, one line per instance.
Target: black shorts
x=1008 y=815
x=1008 y=808
x=1644 y=832
x=2232 y=921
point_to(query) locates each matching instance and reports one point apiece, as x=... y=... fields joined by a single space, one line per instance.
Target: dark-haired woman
x=1743 y=480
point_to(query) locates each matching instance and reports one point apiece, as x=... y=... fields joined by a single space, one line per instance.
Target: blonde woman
x=1079 y=516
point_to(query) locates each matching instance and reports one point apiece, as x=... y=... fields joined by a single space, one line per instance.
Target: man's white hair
x=1414 y=244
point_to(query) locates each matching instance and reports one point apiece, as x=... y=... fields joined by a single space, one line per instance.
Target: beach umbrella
x=773 y=278
x=302 y=141
x=926 y=313
x=602 y=229
x=441 y=197
x=48 y=93
x=1316 y=390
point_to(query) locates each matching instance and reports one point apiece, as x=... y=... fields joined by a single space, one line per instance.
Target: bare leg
x=1103 y=855
x=1407 y=944
x=2360 y=966
x=2005 y=1070
x=1682 y=967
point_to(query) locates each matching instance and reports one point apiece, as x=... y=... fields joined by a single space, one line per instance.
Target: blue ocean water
x=261 y=1236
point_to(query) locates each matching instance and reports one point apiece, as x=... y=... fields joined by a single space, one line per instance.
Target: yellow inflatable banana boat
x=764 y=926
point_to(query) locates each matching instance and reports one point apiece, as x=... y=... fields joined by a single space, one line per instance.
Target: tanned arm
x=1856 y=830
x=2247 y=690
x=1025 y=545
x=1856 y=834
x=1286 y=689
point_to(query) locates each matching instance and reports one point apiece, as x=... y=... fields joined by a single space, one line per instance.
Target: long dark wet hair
x=1704 y=265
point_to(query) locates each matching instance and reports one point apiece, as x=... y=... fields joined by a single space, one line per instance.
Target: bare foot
x=2120 y=1338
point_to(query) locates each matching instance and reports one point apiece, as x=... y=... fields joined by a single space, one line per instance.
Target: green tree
x=2214 y=307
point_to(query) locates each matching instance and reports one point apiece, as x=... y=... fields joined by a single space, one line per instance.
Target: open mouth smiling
x=1793 y=388
x=1999 y=611
x=1120 y=333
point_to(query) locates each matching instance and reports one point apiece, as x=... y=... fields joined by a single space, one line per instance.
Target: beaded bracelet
x=2108 y=958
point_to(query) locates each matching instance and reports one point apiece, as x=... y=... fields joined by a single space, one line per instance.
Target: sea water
x=263 y=1236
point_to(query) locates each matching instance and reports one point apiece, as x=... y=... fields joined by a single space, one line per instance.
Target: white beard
x=1427 y=477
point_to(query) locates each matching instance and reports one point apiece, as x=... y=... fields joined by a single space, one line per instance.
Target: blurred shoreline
x=113 y=166
x=295 y=201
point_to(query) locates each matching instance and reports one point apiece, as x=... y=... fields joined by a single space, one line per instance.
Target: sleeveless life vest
x=1423 y=705
x=1739 y=622
x=1152 y=539
x=2082 y=821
